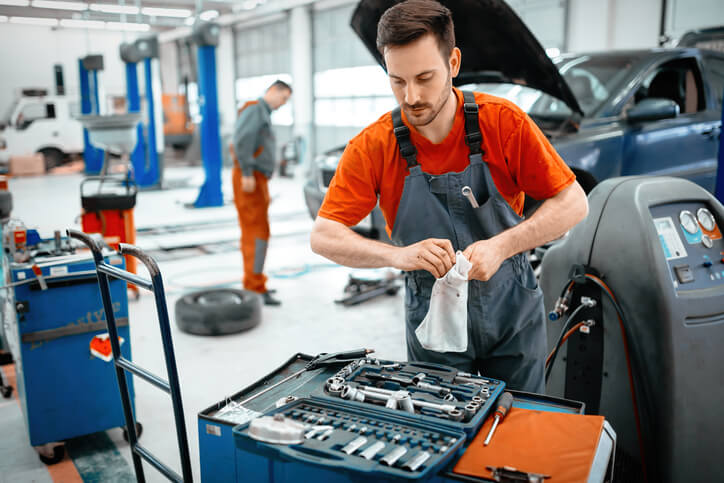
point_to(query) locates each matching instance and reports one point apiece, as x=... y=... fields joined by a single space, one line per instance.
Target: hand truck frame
x=123 y=365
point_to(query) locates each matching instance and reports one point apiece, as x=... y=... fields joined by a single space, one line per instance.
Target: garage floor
x=198 y=248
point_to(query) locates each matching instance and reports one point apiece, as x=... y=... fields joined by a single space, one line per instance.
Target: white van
x=41 y=124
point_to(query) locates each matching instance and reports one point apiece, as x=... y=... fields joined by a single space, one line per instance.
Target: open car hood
x=495 y=43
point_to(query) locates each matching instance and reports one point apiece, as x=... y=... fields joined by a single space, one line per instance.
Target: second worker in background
x=254 y=151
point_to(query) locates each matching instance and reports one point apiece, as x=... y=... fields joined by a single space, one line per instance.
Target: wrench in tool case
x=423 y=389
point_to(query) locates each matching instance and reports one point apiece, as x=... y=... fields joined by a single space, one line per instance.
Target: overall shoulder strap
x=402 y=134
x=473 y=136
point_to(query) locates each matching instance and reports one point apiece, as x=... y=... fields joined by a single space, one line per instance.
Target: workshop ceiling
x=157 y=15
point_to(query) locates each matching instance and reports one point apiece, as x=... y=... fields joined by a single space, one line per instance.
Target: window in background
x=351 y=96
x=251 y=88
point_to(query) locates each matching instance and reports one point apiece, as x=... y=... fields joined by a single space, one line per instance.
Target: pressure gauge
x=706 y=219
x=688 y=221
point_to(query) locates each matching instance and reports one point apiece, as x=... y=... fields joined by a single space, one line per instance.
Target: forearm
x=339 y=243
x=551 y=220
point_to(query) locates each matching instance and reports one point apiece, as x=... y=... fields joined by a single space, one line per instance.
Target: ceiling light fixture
x=166 y=12
x=3 y=18
x=48 y=22
x=83 y=24
x=15 y=3
x=209 y=15
x=110 y=8
x=58 y=5
x=128 y=26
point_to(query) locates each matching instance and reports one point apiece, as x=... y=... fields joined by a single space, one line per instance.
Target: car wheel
x=218 y=312
x=53 y=157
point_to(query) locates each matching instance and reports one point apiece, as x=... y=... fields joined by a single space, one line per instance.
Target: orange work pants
x=253 y=210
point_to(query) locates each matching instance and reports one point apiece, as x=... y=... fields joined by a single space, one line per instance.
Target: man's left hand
x=486 y=257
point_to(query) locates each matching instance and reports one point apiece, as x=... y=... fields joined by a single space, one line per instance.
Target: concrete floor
x=211 y=368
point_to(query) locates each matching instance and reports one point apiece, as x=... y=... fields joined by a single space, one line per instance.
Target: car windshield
x=591 y=78
x=5 y=119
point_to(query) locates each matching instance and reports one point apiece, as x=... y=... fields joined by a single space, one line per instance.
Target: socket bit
x=391 y=458
x=455 y=415
x=416 y=461
x=354 y=445
x=442 y=391
x=372 y=450
x=405 y=403
x=325 y=435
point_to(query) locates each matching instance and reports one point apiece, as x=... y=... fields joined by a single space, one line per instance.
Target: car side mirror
x=652 y=109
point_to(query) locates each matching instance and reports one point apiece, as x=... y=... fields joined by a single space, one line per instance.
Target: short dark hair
x=280 y=84
x=411 y=19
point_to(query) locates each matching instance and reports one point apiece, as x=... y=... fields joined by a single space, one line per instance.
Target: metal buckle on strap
x=407 y=150
x=470 y=108
x=401 y=132
x=474 y=138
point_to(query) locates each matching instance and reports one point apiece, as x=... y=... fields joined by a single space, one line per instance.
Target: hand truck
x=155 y=285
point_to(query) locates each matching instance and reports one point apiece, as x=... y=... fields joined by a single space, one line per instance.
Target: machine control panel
x=692 y=243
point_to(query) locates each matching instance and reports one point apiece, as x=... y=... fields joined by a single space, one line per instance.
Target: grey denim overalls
x=506 y=319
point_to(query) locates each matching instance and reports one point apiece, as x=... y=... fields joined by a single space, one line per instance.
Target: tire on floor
x=218 y=311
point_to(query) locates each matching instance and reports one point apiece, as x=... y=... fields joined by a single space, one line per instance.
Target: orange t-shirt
x=520 y=158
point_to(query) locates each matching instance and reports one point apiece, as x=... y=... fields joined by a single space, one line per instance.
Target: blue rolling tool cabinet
x=64 y=390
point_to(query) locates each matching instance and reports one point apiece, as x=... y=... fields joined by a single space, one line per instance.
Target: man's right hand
x=248 y=184
x=434 y=255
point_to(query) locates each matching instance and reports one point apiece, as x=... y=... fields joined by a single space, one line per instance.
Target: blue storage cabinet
x=63 y=389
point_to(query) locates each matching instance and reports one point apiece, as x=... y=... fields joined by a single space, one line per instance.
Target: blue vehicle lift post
x=206 y=36
x=131 y=56
x=172 y=387
x=89 y=68
x=150 y=174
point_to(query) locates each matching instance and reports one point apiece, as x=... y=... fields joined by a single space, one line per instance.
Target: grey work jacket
x=252 y=134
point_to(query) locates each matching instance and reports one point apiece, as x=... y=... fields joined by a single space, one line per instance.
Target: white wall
x=613 y=24
x=683 y=15
x=28 y=54
x=225 y=77
x=168 y=57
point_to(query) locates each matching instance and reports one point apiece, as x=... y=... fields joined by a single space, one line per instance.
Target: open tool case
x=223 y=428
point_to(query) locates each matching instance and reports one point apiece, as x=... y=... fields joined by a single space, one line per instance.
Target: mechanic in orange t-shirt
x=415 y=161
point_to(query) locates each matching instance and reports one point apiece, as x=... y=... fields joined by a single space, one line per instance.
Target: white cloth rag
x=445 y=327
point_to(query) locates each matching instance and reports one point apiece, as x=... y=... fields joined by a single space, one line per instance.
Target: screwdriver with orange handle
x=504 y=404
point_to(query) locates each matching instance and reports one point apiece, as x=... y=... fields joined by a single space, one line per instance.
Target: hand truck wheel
x=139 y=431
x=7 y=391
x=51 y=456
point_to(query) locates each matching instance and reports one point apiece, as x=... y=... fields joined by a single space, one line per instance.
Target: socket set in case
x=337 y=434
x=422 y=389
